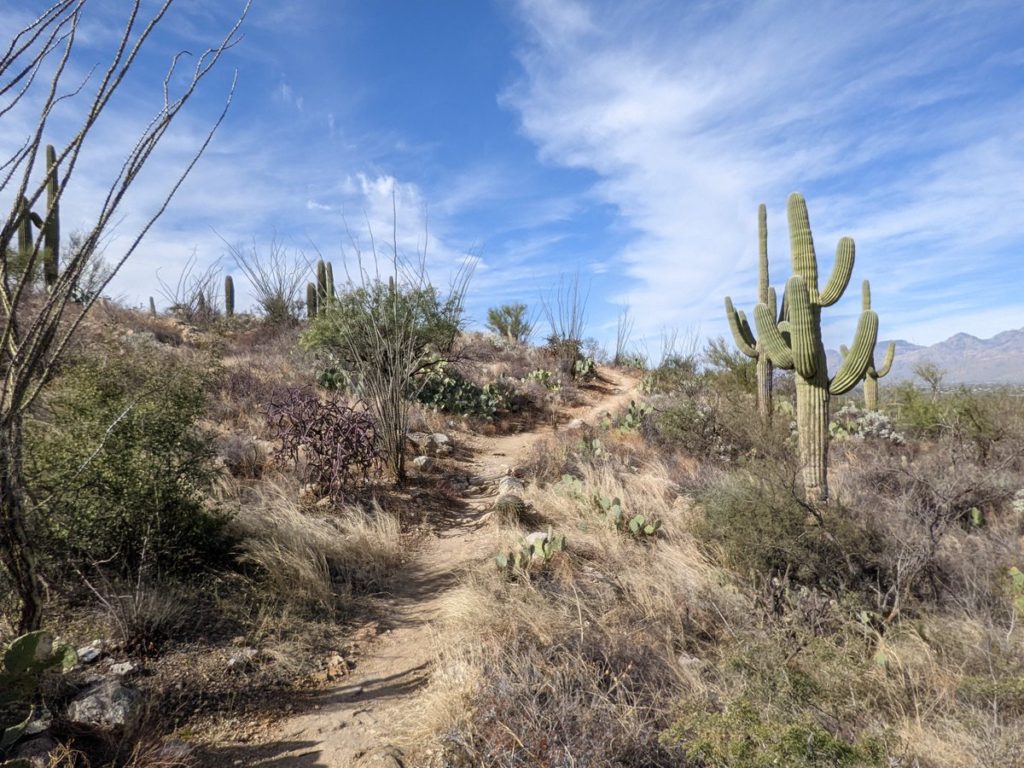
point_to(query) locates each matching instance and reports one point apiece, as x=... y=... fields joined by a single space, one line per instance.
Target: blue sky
x=629 y=141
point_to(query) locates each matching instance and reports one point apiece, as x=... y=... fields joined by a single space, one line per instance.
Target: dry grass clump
x=581 y=661
x=316 y=560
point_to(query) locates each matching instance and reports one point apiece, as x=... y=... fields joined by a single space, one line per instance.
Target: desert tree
x=510 y=321
x=276 y=276
x=385 y=328
x=36 y=327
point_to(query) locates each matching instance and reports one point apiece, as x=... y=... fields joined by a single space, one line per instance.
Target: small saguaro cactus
x=229 y=296
x=741 y=331
x=152 y=307
x=330 y=281
x=311 y=304
x=795 y=342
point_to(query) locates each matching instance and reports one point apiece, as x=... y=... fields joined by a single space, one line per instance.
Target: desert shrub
x=853 y=423
x=335 y=444
x=756 y=521
x=276 y=279
x=243 y=456
x=443 y=387
x=118 y=464
x=729 y=368
x=676 y=374
x=790 y=700
x=511 y=322
x=381 y=335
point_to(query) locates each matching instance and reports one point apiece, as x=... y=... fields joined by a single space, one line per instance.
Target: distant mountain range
x=965 y=359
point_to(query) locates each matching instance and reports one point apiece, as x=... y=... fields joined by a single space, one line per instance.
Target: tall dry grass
x=311 y=559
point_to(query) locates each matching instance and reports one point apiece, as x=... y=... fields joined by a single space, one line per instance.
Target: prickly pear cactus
x=740 y=327
x=794 y=342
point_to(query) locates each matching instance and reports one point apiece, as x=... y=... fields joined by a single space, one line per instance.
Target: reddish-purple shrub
x=336 y=445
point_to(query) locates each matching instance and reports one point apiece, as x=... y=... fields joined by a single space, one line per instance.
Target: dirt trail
x=352 y=721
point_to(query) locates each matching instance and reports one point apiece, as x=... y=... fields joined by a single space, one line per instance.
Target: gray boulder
x=109 y=705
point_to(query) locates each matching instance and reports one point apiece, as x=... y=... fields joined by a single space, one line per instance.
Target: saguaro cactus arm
x=887 y=363
x=841 y=273
x=856 y=363
x=741 y=332
x=804 y=328
x=771 y=337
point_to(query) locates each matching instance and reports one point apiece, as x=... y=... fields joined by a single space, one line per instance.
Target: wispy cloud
x=898 y=123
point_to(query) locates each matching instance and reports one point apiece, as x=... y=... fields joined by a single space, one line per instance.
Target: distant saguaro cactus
x=321 y=284
x=51 y=225
x=795 y=343
x=229 y=296
x=873 y=374
x=152 y=307
x=329 y=274
x=311 y=303
x=741 y=331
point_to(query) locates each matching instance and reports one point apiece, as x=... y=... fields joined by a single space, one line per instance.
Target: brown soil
x=349 y=724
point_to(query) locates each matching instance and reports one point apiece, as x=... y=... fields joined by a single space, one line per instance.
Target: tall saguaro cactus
x=229 y=296
x=741 y=331
x=795 y=343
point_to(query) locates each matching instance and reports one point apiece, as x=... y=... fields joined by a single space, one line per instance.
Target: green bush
x=757 y=524
x=118 y=464
x=511 y=322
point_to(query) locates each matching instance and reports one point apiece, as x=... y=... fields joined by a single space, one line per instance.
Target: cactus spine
x=310 y=300
x=51 y=226
x=229 y=296
x=795 y=342
x=741 y=331
x=873 y=373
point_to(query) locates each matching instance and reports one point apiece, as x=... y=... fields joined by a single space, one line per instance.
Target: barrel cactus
x=795 y=342
x=509 y=508
x=740 y=326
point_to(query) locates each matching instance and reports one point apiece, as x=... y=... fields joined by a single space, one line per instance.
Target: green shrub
x=758 y=525
x=117 y=462
x=511 y=322
x=743 y=737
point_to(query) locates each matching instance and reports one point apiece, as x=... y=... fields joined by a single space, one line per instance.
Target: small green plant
x=584 y=368
x=1016 y=589
x=572 y=486
x=545 y=377
x=635 y=416
x=536 y=549
x=26 y=660
x=639 y=526
x=612 y=508
x=510 y=321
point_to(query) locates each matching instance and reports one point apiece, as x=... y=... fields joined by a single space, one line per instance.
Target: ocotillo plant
x=741 y=331
x=229 y=296
x=795 y=342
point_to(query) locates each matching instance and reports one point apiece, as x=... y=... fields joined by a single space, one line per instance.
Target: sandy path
x=352 y=721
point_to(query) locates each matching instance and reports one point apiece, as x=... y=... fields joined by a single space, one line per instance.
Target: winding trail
x=351 y=721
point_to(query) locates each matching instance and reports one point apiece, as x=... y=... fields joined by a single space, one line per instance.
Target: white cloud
x=692 y=114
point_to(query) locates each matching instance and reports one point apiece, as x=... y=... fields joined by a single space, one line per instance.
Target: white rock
x=510 y=485
x=423 y=462
x=576 y=424
x=122 y=669
x=109 y=705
